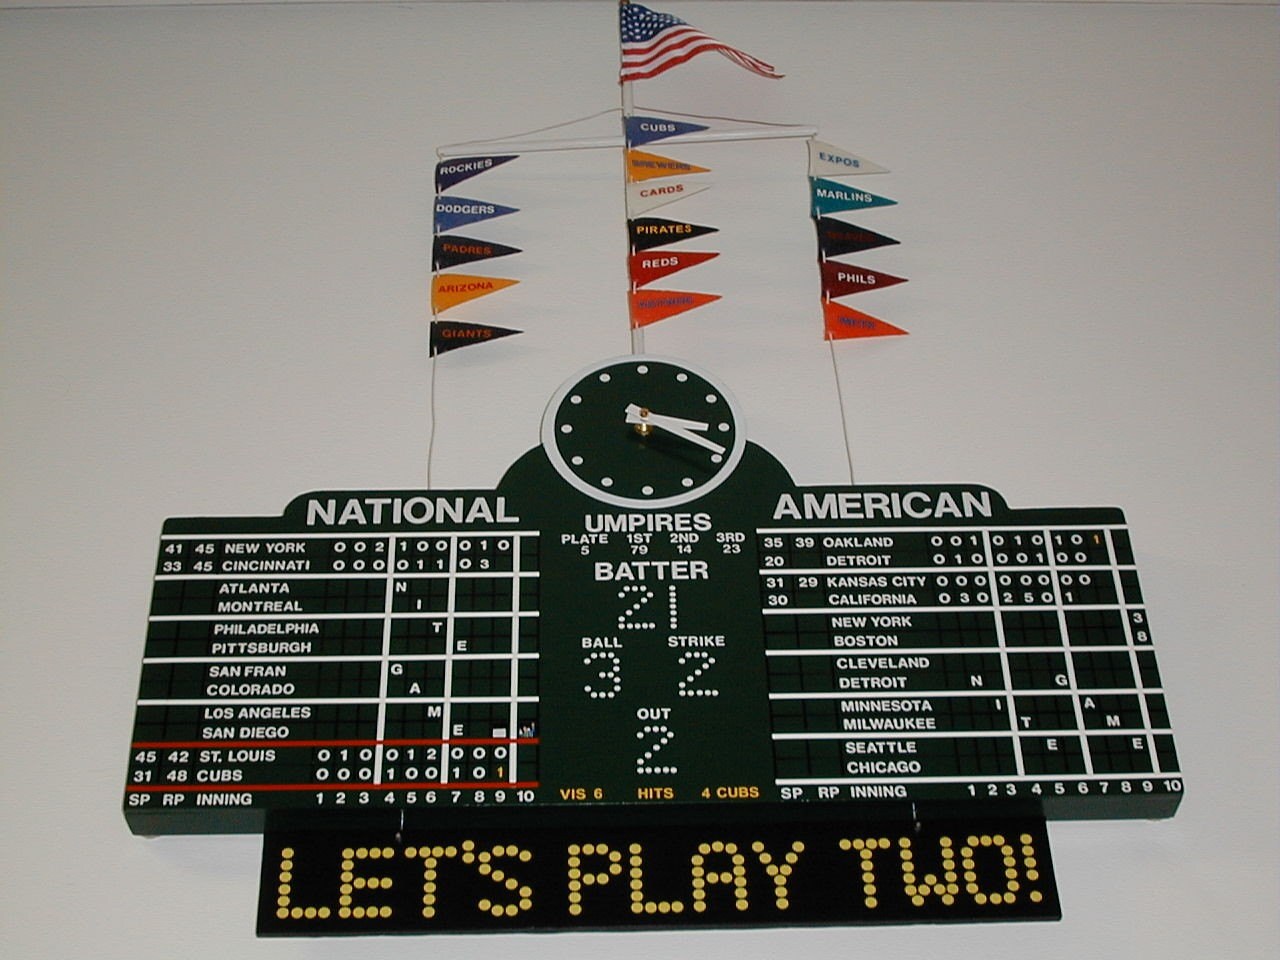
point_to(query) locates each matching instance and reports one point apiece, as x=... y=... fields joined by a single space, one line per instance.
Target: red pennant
x=843 y=323
x=842 y=279
x=650 y=306
x=647 y=267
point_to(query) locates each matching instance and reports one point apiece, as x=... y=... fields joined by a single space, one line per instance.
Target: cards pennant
x=842 y=279
x=449 y=335
x=647 y=267
x=650 y=166
x=843 y=323
x=647 y=129
x=836 y=238
x=450 y=250
x=450 y=289
x=826 y=160
x=455 y=211
x=457 y=169
x=830 y=196
x=643 y=197
x=650 y=306
x=650 y=232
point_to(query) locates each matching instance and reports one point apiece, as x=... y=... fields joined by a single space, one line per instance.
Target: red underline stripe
x=350 y=785
x=460 y=741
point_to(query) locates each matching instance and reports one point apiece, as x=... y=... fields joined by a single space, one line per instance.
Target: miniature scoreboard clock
x=536 y=705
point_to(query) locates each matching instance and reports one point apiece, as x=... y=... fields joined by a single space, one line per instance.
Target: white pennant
x=648 y=194
x=826 y=160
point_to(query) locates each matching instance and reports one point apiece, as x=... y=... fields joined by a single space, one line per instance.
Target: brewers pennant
x=641 y=130
x=828 y=161
x=449 y=335
x=842 y=323
x=650 y=306
x=457 y=169
x=830 y=196
x=649 y=166
x=655 y=42
x=644 y=196
x=456 y=211
x=450 y=289
x=843 y=279
x=647 y=267
x=451 y=250
x=836 y=238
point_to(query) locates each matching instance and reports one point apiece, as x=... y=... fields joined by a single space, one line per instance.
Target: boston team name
x=367 y=511
x=916 y=504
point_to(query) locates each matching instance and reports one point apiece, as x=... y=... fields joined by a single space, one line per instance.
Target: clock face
x=643 y=431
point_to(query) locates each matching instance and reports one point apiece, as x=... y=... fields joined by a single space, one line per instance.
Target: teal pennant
x=831 y=196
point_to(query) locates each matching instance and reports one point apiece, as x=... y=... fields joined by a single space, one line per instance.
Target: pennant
x=650 y=306
x=455 y=211
x=829 y=196
x=843 y=279
x=650 y=166
x=643 y=197
x=647 y=267
x=449 y=335
x=654 y=42
x=457 y=169
x=828 y=161
x=650 y=232
x=845 y=324
x=836 y=238
x=450 y=289
x=647 y=129
x=451 y=250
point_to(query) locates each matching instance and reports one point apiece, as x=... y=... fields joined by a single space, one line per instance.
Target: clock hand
x=674 y=425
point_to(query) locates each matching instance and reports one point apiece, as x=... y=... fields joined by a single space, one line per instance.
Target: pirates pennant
x=650 y=166
x=450 y=289
x=457 y=169
x=843 y=323
x=643 y=197
x=451 y=250
x=650 y=306
x=642 y=130
x=843 y=279
x=836 y=238
x=830 y=196
x=647 y=267
x=456 y=211
x=449 y=335
x=650 y=232
x=828 y=161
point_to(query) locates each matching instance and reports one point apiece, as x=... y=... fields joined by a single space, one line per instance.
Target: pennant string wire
x=431 y=409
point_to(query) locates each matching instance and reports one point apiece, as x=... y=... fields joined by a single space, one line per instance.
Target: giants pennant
x=647 y=267
x=449 y=335
x=843 y=279
x=450 y=289
x=650 y=306
x=842 y=323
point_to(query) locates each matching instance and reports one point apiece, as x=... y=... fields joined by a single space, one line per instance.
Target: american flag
x=653 y=42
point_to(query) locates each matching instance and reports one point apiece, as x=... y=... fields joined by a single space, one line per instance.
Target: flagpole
x=844 y=423
x=628 y=110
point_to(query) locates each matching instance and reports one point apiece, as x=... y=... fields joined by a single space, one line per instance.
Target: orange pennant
x=450 y=289
x=648 y=166
x=842 y=323
x=650 y=306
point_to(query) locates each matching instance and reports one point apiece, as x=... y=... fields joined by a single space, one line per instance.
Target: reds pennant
x=843 y=323
x=650 y=306
x=843 y=279
x=647 y=267
x=449 y=335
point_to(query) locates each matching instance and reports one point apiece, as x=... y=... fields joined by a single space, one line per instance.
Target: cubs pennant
x=647 y=267
x=649 y=166
x=831 y=196
x=449 y=335
x=842 y=323
x=454 y=212
x=650 y=306
x=450 y=289
x=641 y=130
x=843 y=279
x=836 y=238
x=457 y=169
x=828 y=161
x=645 y=196
x=649 y=232
x=451 y=250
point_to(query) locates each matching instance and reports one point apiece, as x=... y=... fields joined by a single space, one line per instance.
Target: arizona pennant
x=451 y=250
x=836 y=238
x=830 y=196
x=650 y=306
x=845 y=324
x=647 y=267
x=647 y=129
x=455 y=211
x=643 y=197
x=828 y=161
x=649 y=166
x=450 y=289
x=449 y=335
x=649 y=232
x=457 y=169
x=842 y=279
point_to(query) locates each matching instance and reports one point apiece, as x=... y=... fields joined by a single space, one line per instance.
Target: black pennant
x=449 y=335
x=835 y=238
x=649 y=232
x=450 y=250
